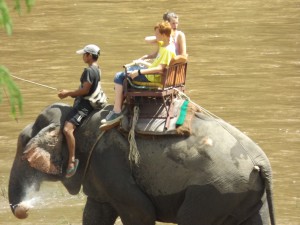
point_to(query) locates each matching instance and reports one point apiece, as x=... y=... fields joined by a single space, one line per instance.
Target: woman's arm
x=149 y=56
x=144 y=57
x=143 y=62
x=151 y=39
x=181 y=44
x=152 y=55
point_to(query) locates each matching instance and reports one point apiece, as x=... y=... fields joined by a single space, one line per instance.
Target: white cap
x=92 y=49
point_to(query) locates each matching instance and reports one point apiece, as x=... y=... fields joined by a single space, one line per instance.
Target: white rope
x=134 y=155
x=43 y=85
x=184 y=96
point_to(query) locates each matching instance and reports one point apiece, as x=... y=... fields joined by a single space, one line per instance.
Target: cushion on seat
x=142 y=85
x=148 y=84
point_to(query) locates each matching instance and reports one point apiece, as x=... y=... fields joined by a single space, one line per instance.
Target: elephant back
x=216 y=153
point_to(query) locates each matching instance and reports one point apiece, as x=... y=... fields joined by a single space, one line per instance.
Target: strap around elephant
x=90 y=154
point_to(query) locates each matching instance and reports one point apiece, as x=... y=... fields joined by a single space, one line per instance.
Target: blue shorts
x=120 y=76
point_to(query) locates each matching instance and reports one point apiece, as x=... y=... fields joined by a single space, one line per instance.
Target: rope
x=43 y=85
x=134 y=155
x=90 y=154
x=183 y=95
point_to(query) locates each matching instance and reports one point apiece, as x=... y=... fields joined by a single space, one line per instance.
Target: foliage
x=29 y=4
x=5 y=20
x=15 y=97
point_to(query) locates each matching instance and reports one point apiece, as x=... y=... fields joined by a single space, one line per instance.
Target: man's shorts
x=79 y=112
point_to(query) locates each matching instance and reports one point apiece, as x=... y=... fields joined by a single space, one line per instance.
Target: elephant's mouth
x=21 y=210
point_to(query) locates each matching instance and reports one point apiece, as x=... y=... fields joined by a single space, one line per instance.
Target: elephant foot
x=21 y=210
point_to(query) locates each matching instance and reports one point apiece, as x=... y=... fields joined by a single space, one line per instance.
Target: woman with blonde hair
x=177 y=37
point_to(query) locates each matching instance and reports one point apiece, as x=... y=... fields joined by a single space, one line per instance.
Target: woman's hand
x=133 y=74
x=141 y=62
x=138 y=61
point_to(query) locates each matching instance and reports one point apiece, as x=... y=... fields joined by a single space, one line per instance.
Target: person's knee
x=68 y=130
x=119 y=78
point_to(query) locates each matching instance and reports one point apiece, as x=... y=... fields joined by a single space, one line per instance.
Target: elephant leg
x=203 y=205
x=114 y=176
x=135 y=208
x=259 y=218
x=96 y=213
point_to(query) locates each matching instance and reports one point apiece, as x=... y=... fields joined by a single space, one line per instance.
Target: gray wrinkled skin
x=216 y=176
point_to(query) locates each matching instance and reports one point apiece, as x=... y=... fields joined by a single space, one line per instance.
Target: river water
x=244 y=66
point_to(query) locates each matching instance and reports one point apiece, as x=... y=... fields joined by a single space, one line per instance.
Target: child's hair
x=164 y=28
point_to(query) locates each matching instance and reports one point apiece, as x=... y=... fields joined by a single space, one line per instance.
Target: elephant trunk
x=22 y=180
x=20 y=210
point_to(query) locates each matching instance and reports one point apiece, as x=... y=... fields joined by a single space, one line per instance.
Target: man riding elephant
x=90 y=81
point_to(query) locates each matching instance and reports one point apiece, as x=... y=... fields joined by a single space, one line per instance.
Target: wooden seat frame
x=174 y=76
x=172 y=80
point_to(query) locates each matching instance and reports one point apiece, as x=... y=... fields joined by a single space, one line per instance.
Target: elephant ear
x=44 y=151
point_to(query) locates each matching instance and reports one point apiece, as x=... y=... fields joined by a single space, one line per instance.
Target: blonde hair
x=170 y=15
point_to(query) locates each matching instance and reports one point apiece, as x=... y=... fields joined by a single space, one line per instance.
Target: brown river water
x=244 y=66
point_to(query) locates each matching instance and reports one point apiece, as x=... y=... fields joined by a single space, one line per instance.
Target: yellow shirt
x=164 y=56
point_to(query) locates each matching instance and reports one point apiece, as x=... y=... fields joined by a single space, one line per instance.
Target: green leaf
x=6 y=83
x=29 y=4
x=8 y=28
x=14 y=94
x=5 y=17
x=18 y=6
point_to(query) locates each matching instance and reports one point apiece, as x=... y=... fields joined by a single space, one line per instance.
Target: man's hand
x=63 y=94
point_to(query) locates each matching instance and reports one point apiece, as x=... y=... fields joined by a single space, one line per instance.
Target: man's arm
x=79 y=92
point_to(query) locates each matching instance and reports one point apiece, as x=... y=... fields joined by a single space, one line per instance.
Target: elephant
x=214 y=176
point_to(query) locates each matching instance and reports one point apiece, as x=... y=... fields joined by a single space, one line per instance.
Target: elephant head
x=43 y=152
x=41 y=155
